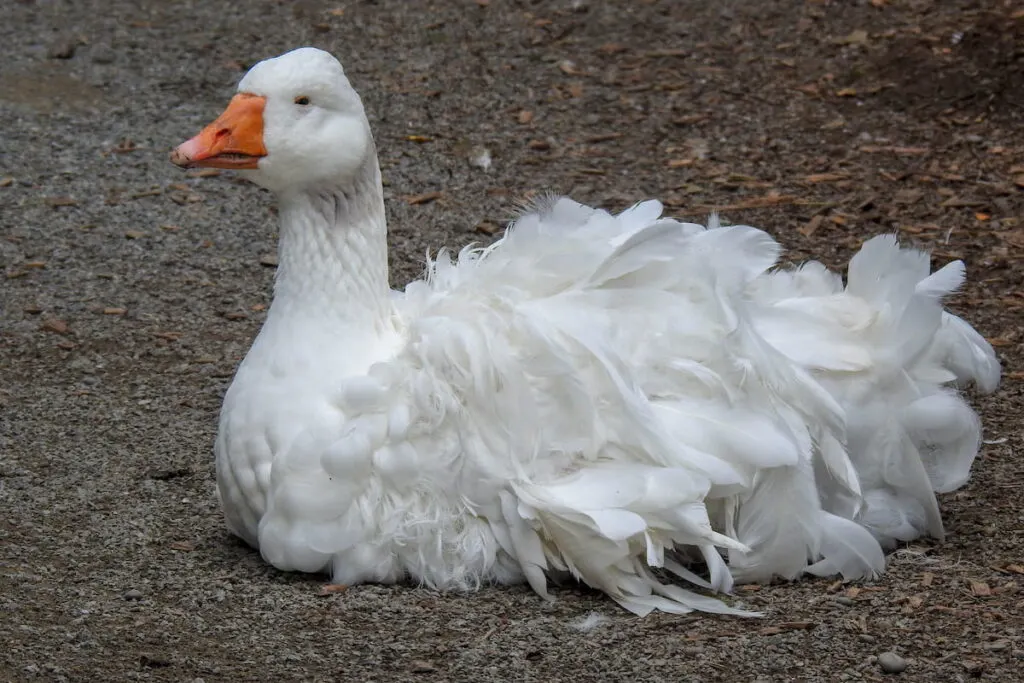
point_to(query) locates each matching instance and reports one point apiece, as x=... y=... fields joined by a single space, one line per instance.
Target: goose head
x=295 y=125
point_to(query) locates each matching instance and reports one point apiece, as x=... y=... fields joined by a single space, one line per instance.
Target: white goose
x=592 y=395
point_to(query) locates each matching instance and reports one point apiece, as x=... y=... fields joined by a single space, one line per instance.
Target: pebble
x=102 y=55
x=62 y=48
x=421 y=666
x=892 y=663
x=845 y=601
x=133 y=594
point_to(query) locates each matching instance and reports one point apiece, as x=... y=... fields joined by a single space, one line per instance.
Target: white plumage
x=592 y=395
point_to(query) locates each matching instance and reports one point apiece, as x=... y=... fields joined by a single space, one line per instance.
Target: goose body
x=593 y=395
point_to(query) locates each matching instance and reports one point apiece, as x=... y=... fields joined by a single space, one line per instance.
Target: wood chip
x=169 y=336
x=539 y=145
x=235 y=315
x=846 y=92
x=6 y=181
x=424 y=198
x=825 y=177
x=205 y=173
x=134 y=234
x=899 y=151
x=927 y=578
x=811 y=226
x=486 y=228
x=61 y=201
x=525 y=116
x=183 y=546
x=55 y=325
x=38 y=265
x=114 y=310
x=269 y=260
x=567 y=66
x=981 y=589
x=333 y=588
x=420 y=139
x=603 y=137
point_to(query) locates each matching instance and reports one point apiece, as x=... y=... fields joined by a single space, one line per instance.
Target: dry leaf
x=927 y=578
x=981 y=589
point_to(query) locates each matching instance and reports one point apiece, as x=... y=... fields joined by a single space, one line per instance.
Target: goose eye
x=302 y=101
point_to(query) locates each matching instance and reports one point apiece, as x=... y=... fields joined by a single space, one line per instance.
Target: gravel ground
x=132 y=289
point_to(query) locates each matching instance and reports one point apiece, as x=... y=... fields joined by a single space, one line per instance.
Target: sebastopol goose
x=595 y=396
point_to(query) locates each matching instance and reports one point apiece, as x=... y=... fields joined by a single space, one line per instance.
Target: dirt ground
x=131 y=289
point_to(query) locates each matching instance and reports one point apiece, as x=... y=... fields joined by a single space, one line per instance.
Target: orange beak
x=234 y=140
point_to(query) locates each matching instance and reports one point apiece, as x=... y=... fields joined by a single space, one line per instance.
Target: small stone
x=133 y=594
x=693 y=650
x=422 y=667
x=866 y=638
x=269 y=260
x=480 y=157
x=845 y=601
x=62 y=48
x=100 y=54
x=892 y=663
